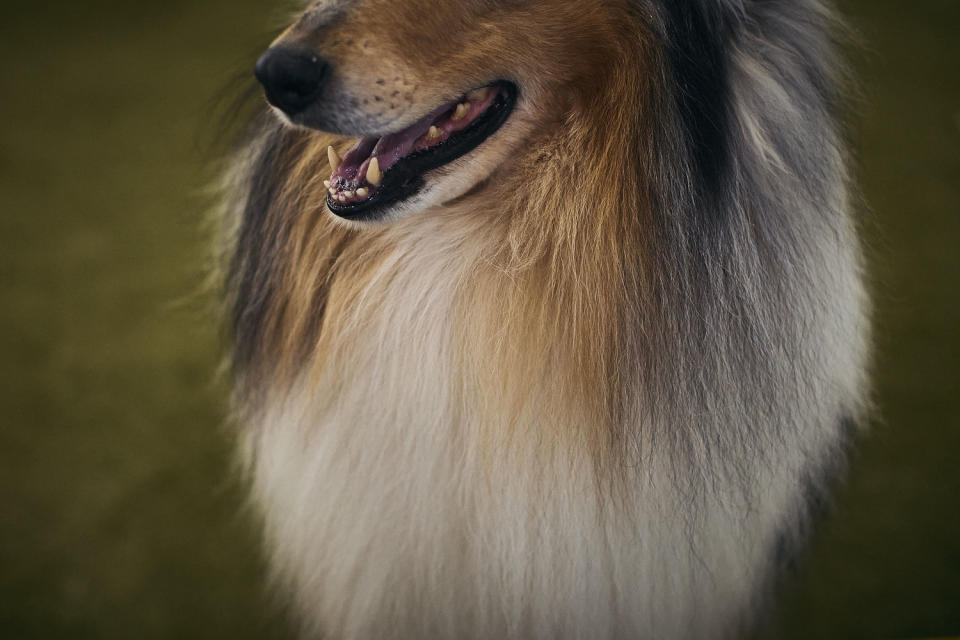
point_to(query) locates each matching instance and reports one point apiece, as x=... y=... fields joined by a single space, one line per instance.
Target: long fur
x=591 y=398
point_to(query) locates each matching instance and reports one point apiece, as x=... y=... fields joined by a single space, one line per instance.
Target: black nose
x=292 y=78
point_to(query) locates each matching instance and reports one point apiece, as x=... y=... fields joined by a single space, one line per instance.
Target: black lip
x=405 y=178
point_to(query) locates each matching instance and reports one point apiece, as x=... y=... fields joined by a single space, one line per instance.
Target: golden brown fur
x=556 y=290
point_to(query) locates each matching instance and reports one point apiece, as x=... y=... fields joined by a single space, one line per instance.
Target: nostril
x=291 y=78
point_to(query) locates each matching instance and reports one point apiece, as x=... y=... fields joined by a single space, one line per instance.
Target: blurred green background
x=120 y=514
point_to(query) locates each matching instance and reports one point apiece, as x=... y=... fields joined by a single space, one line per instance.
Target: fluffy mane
x=591 y=397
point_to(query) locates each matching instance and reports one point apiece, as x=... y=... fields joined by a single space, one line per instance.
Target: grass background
x=119 y=514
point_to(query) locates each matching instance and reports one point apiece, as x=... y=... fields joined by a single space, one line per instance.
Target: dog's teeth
x=348 y=194
x=362 y=192
x=333 y=158
x=478 y=95
x=332 y=191
x=326 y=183
x=373 y=172
x=433 y=133
x=342 y=198
x=461 y=111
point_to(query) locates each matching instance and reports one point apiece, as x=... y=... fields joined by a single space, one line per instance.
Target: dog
x=548 y=317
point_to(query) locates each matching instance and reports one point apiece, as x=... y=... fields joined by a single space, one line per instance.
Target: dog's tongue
x=388 y=150
x=359 y=174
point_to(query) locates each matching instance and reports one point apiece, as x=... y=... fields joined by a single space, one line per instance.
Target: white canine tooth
x=333 y=158
x=348 y=194
x=460 y=112
x=362 y=192
x=332 y=191
x=326 y=183
x=373 y=172
x=478 y=94
x=433 y=133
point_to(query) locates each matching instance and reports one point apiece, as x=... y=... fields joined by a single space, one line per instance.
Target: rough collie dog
x=547 y=314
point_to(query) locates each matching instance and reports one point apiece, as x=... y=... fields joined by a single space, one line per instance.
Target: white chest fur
x=392 y=513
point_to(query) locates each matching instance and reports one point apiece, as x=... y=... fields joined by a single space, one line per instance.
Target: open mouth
x=379 y=172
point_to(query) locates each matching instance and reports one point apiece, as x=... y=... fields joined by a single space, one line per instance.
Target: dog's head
x=442 y=94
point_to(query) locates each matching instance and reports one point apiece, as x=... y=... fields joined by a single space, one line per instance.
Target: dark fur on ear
x=698 y=36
